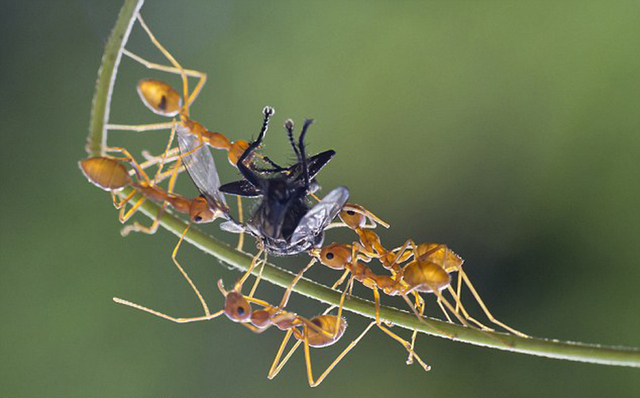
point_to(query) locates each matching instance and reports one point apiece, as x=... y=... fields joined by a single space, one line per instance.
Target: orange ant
x=426 y=269
x=163 y=100
x=110 y=174
x=320 y=331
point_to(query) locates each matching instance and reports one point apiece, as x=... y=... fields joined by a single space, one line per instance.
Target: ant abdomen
x=328 y=333
x=426 y=276
x=105 y=173
x=159 y=97
x=440 y=254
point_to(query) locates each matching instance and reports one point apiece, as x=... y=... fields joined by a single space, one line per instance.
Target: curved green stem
x=542 y=347
x=97 y=139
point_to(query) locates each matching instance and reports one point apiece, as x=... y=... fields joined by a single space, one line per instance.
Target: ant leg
x=131 y=160
x=446 y=314
x=405 y=344
x=163 y=158
x=484 y=307
x=420 y=318
x=259 y=277
x=459 y=291
x=341 y=280
x=201 y=76
x=275 y=370
x=277 y=365
x=420 y=305
x=240 y=216
x=464 y=311
x=165 y=316
x=333 y=364
x=172 y=60
x=295 y=280
x=447 y=304
x=137 y=227
x=409 y=245
x=167 y=174
x=174 y=257
x=152 y=160
x=118 y=204
x=139 y=127
x=240 y=282
x=124 y=217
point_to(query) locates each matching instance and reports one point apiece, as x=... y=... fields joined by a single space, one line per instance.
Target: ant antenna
x=288 y=125
x=305 y=168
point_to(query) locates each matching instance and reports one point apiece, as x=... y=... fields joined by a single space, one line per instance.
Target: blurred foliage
x=508 y=131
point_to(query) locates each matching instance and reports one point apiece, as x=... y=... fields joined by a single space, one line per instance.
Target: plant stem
x=96 y=141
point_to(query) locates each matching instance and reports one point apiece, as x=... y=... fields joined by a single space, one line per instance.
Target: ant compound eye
x=197 y=218
x=236 y=307
x=335 y=256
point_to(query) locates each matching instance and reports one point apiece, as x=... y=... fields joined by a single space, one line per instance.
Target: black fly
x=283 y=221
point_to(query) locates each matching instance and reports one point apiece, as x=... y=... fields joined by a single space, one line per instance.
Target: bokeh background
x=509 y=131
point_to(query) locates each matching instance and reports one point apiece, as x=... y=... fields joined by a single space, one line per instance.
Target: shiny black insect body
x=283 y=220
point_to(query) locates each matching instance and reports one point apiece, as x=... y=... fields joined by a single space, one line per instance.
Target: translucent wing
x=201 y=168
x=321 y=215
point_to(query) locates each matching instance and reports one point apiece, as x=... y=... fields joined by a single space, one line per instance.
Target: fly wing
x=199 y=163
x=315 y=164
x=241 y=188
x=321 y=215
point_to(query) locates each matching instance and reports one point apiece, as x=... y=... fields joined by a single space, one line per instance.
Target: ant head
x=352 y=218
x=236 y=306
x=335 y=256
x=200 y=211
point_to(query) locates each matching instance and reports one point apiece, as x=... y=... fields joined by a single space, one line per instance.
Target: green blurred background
x=508 y=131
